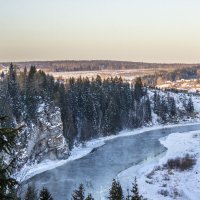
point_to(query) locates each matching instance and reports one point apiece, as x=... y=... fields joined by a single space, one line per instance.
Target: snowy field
x=157 y=183
x=128 y=74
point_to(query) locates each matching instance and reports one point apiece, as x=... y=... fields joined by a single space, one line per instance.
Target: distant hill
x=95 y=65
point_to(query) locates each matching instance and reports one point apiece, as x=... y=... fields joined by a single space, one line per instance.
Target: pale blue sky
x=135 y=30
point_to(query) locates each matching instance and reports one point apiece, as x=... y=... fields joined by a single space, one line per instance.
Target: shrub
x=164 y=192
x=179 y=163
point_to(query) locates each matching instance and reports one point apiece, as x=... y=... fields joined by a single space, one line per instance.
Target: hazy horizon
x=122 y=30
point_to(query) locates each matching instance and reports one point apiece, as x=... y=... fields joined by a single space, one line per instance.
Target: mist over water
x=97 y=169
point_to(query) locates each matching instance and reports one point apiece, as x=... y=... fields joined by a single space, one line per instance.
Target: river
x=97 y=169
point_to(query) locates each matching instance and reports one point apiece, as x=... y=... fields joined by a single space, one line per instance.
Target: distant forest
x=95 y=65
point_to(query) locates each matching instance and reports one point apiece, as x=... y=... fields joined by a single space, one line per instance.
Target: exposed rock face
x=45 y=139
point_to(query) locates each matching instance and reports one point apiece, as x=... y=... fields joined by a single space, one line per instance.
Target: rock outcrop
x=43 y=140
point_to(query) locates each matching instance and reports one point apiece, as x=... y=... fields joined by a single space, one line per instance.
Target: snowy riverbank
x=156 y=182
x=82 y=150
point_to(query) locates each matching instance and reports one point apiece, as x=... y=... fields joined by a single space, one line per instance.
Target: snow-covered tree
x=115 y=192
x=79 y=193
x=45 y=194
x=135 y=191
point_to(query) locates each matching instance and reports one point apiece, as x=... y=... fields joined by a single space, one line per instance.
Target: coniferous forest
x=89 y=108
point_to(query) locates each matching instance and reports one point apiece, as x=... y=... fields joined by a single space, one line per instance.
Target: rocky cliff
x=44 y=139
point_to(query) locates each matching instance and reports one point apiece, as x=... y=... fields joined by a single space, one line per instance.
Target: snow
x=82 y=150
x=41 y=108
x=184 y=183
x=176 y=184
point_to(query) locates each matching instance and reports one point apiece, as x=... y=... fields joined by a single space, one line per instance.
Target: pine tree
x=163 y=110
x=31 y=193
x=112 y=118
x=79 y=193
x=45 y=194
x=190 y=106
x=13 y=89
x=138 y=91
x=7 y=142
x=89 y=197
x=135 y=191
x=115 y=192
x=23 y=84
x=156 y=100
x=128 y=197
x=147 y=111
x=172 y=107
x=31 y=94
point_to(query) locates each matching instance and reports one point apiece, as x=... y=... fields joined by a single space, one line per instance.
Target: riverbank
x=156 y=182
x=82 y=150
x=30 y=170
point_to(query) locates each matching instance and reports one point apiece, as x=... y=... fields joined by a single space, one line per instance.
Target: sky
x=129 y=30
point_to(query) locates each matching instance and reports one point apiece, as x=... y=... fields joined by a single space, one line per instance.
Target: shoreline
x=81 y=150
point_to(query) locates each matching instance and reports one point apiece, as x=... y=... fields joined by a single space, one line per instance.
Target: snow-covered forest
x=57 y=115
x=87 y=108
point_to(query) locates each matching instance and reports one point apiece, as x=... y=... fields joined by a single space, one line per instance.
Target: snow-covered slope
x=157 y=182
x=180 y=100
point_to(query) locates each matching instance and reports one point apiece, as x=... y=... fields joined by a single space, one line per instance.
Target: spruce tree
x=138 y=91
x=147 y=111
x=172 y=107
x=23 y=84
x=45 y=194
x=135 y=191
x=157 y=102
x=89 y=197
x=190 y=106
x=115 y=192
x=79 y=193
x=163 y=110
x=31 y=193
x=112 y=118
x=128 y=197
x=14 y=92
x=7 y=143
x=31 y=94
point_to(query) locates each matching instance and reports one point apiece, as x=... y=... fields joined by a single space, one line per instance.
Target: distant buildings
x=192 y=85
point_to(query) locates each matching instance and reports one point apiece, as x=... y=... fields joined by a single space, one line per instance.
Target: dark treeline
x=89 y=108
x=102 y=107
x=115 y=193
x=22 y=93
x=95 y=65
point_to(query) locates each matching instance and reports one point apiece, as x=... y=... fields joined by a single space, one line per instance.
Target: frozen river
x=97 y=169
